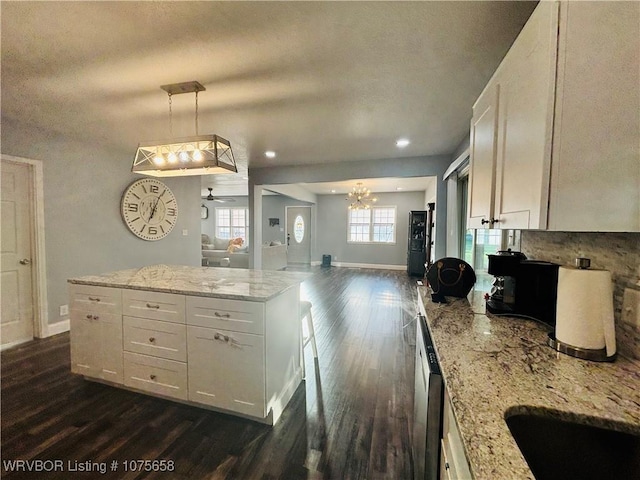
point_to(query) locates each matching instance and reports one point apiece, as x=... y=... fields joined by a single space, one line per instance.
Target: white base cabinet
x=453 y=461
x=96 y=333
x=226 y=370
x=555 y=135
x=240 y=357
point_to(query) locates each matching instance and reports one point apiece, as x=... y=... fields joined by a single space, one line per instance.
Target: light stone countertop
x=228 y=283
x=494 y=365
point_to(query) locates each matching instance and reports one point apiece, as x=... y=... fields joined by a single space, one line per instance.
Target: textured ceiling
x=316 y=82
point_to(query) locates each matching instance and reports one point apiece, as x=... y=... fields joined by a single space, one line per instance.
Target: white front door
x=299 y=235
x=16 y=265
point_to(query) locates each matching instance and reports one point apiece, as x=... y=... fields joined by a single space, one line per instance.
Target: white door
x=17 y=288
x=299 y=235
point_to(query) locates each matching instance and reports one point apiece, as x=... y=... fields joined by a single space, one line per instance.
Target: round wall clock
x=149 y=209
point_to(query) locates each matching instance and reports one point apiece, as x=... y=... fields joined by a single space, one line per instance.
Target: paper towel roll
x=584 y=315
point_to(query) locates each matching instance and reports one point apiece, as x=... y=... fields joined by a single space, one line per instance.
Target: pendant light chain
x=196 y=112
x=170 y=119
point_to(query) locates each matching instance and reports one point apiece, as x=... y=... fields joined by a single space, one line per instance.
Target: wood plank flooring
x=350 y=419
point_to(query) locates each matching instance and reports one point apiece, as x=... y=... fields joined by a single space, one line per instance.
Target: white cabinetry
x=155 y=344
x=238 y=356
x=243 y=356
x=555 y=135
x=453 y=461
x=226 y=364
x=226 y=370
x=96 y=332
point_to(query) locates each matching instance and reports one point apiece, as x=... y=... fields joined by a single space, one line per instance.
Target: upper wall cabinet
x=555 y=135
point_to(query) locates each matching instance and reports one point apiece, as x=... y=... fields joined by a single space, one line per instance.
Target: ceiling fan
x=211 y=197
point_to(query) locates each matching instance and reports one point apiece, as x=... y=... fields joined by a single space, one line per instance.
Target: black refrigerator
x=419 y=242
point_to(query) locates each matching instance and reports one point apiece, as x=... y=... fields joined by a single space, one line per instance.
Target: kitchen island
x=495 y=367
x=218 y=338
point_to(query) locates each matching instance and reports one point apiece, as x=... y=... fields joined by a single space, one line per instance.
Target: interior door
x=16 y=324
x=299 y=235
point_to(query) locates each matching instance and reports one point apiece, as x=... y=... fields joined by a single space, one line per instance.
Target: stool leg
x=312 y=334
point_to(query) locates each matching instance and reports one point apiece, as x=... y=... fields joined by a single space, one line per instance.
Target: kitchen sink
x=561 y=449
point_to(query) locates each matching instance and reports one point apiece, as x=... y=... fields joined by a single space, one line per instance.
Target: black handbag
x=450 y=277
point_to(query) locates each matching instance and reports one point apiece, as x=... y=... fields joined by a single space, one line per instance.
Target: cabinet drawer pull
x=152 y=377
x=153 y=306
x=94 y=299
x=483 y=221
x=222 y=315
x=224 y=338
x=152 y=339
x=92 y=317
x=494 y=220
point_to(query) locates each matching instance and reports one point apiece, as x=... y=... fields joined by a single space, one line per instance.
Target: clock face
x=149 y=209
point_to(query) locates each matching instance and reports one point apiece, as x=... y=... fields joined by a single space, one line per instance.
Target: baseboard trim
x=58 y=327
x=369 y=265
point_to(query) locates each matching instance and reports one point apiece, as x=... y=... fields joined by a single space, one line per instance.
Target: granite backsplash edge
x=617 y=252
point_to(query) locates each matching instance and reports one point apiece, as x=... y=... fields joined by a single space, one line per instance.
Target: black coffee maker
x=523 y=287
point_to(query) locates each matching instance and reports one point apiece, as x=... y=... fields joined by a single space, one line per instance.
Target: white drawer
x=155 y=338
x=90 y=298
x=168 y=307
x=155 y=375
x=233 y=315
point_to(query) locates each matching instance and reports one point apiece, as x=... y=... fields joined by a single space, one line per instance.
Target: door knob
x=25 y=261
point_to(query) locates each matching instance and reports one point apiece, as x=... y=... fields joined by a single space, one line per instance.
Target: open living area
x=320 y=240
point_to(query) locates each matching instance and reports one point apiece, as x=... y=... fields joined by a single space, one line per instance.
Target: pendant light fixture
x=196 y=155
x=361 y=198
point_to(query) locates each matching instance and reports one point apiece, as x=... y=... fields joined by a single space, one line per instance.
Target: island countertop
x=496 y=366
x=229 y=283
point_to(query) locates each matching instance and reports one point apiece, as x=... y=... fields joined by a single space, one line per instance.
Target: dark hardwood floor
x=350 y=419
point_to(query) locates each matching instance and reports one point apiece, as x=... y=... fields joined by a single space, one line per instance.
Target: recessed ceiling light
x=333 y=190
x=398 y=188
x=402 y=142
x=270 y=154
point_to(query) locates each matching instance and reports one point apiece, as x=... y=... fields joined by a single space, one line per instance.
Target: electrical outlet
x=185 y=232
x=64 y=310
x=631 y=307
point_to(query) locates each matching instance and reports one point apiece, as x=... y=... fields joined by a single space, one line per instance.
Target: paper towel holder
x=595 y=355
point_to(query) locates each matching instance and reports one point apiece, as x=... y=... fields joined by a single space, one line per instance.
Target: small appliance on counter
x=585 y=323
x=522 y=287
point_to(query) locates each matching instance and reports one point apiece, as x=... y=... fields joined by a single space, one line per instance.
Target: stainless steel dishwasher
x=427 y=406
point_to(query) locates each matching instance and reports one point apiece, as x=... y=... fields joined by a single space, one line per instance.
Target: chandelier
x=361 y=198
x=196 y=155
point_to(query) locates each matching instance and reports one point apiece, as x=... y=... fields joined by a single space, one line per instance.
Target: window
x=232 y=223
x=377 y=225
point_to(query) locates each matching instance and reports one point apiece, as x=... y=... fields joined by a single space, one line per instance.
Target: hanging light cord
x=170 y=119
x=196 y=112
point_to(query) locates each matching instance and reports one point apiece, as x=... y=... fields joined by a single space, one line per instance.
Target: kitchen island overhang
x=217 y=338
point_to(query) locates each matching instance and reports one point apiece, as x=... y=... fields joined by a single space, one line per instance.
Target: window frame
x=231 y=225
x=370 y=224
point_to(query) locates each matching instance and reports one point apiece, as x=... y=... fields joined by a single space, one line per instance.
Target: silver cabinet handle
x=25 y=261
x=153 y=306
x=222 y=315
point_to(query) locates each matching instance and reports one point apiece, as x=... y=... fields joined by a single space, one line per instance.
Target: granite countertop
x=229 y=283
x=494 y=365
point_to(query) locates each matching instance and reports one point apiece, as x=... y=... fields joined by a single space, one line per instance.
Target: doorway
x=22 y=280
x=298 y=235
